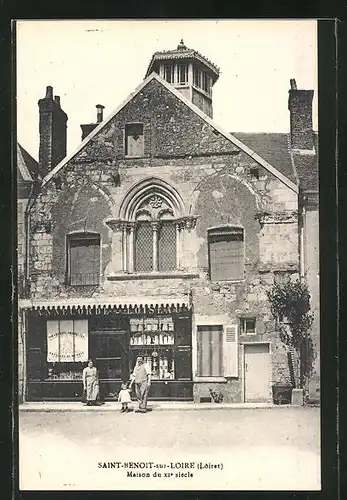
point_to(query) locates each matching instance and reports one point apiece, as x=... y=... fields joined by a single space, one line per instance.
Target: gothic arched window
x=155 y=235
x=149 y=234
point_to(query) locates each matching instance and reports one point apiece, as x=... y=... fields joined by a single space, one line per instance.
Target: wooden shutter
x=85 y=261
x=183 y=342
x=231 y=351
x=226 y=254
x=35 y=347
x=183 y=330
x=134 y=140
x=183 y=363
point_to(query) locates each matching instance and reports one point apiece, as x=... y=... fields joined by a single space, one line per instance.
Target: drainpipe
x=304 y=382
x=24 y=324
x=302 y=241
x=33 y=190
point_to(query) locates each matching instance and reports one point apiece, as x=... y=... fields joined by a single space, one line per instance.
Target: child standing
x=124 y=397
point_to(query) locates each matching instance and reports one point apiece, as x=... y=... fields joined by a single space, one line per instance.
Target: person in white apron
x=141 y=378
x=91 y=384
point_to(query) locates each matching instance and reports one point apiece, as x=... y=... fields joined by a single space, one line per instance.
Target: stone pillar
x=155 y=229
x=189 y=243
x=178 y=245
x=131 y=248
x=117 y=263
x=124 y=247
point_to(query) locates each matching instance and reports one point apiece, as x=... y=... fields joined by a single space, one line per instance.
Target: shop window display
x=153 y=338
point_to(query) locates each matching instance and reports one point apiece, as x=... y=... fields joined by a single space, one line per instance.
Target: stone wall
x=312 y=276
x=215 y=182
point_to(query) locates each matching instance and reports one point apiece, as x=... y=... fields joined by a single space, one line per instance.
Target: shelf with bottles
x=151 y=331
x=63 y=371
x=153 y=338
x=156 y=324
x=161 y=364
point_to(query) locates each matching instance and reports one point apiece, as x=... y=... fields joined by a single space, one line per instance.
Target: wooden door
x=109 y=352
x=257 y=373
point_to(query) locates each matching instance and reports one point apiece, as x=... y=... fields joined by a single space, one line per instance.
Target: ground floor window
x=210 y=351
x=58 y=350
x=248 y=326
x=67 y=348
x=159 y=341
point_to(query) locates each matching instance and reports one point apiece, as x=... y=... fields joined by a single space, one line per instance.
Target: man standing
x=141 y=377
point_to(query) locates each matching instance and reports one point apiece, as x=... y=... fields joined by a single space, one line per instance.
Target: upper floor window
x=182 y=70
x=155 y=246
x=206 y=83
x=202 y=80
x=169 y=73
x=134 y=139
x=153 y=226
x=226 y=253
x=197 y=77
x=83 y=259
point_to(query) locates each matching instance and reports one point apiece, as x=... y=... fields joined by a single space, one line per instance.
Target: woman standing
x=91 y=383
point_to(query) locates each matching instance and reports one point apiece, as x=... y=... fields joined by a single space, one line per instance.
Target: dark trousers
x=141 y=390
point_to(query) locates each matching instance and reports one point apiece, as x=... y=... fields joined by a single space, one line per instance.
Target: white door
x=257 y=373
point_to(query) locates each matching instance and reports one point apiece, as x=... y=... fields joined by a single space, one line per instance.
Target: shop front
x=61 y=339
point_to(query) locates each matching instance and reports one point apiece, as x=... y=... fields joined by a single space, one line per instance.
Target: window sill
x=77 y=285
x=228 y=281
x=153 y=276
x=210 y=379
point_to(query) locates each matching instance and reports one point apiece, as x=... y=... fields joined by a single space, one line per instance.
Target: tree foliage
x=290 y=306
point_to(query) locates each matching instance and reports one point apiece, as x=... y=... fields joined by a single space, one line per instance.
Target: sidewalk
x=153 y=405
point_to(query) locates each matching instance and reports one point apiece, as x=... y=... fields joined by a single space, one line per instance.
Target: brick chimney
x=52 y=132
x=89 y=127
x=300 y=107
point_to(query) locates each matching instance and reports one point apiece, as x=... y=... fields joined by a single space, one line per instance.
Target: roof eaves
x=187 y=54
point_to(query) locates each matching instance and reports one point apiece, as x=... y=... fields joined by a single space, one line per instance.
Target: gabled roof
x=27 y=166
x=273 y=147
x=234 y=140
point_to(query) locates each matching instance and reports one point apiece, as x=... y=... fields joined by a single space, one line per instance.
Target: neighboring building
x=27 y=177
x=160 y=236
x=304 y=153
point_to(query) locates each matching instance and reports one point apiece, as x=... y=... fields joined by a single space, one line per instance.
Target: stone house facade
x=27 y=177
x=160 y=236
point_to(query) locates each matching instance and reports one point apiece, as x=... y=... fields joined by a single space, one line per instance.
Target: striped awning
x=125 y=305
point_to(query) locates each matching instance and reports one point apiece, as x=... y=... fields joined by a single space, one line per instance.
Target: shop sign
x=67 y=341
